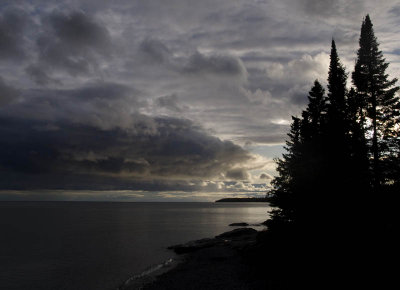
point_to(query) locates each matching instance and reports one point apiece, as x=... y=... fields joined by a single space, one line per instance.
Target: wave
x=148 y=275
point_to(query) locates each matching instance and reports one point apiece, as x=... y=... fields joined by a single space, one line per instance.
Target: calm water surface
x=93 y=245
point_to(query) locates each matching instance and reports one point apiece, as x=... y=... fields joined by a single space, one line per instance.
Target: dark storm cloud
x=78 y=29
x=154 y=51
x=95 y=137
x=214 y=64
x=41 y=153
x=12 y=23
x=169 y=102
x=103 y=105
x=103 y=91
x=39 y=75
x=71 y=42
x=8 y=94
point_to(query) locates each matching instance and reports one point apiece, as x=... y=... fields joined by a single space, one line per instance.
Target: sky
x=167 y=100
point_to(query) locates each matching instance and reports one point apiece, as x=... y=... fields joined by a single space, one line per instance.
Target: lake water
x=96 y=245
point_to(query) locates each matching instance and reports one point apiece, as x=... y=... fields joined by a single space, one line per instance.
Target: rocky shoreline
x=212 y=263
x=246 y=259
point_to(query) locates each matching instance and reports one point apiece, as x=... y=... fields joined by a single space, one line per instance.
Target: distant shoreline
x=242 y=199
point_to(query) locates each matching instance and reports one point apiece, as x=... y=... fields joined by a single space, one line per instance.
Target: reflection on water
x=81 y=245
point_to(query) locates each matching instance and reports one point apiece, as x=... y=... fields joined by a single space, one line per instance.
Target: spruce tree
x=337 y=78
x=357 y=142
x=341 y=144
x=283 y=197
x=296 y=191
x=316 y=109
x=337 y=131
x=381 y=103
x=323 y=194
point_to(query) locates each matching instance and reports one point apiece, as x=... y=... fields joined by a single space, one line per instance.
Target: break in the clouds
x=178 y=96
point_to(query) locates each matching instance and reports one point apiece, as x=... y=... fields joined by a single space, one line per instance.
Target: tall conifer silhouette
x=337 y=150
x=327 y=155
x=336 y=87
x=300 y=170
x=335 y=193
x=381 y=105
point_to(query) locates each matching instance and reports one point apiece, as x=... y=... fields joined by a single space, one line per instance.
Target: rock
x=238 y=233
x=234 y=238
x=239 y=225
x=194 y=245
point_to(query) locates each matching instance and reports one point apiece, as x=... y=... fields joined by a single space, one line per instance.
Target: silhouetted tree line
x=343 y=153
x=338 y=180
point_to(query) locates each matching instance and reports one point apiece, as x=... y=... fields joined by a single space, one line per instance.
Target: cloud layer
x=83 y=138
x=165 y=95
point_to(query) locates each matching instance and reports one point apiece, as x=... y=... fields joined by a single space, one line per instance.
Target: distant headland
x=243 y=199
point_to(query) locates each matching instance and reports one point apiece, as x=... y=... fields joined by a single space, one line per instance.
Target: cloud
x=77 y=29
x=265 y=176
x=332 y=8
x=300 y=70
x=154 y=51
x=72 y=42
x=103 y=105
x=12 y=24
x=143 y=77
x=40 y=152
x=237 y=174
x=39 y=75
x=95 y=136
x=169 y=102
x=248 y=187
x=8 y=94
x=214 y=64
x=395 y=11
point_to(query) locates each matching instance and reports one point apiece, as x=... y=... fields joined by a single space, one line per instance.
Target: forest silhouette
x=335 y=214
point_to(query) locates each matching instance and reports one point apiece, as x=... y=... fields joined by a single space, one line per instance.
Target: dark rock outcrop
x=235 y=238
x=241 y=233
x=239 y=225
x=195 y=245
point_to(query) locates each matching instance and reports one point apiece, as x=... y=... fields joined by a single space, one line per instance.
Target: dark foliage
x=380 y=105
x=335 y=193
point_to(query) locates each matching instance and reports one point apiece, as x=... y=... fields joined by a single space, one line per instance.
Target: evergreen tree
x=337 y=151
x=381 y=103
x=296 y=189
x=283 y=196
x=323 y=195
x=344 y=152
x=316 y=110
x=357 y=143
x=337 y=78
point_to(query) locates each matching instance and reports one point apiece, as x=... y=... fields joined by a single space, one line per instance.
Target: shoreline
x=210 y=263
x=150 y=274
